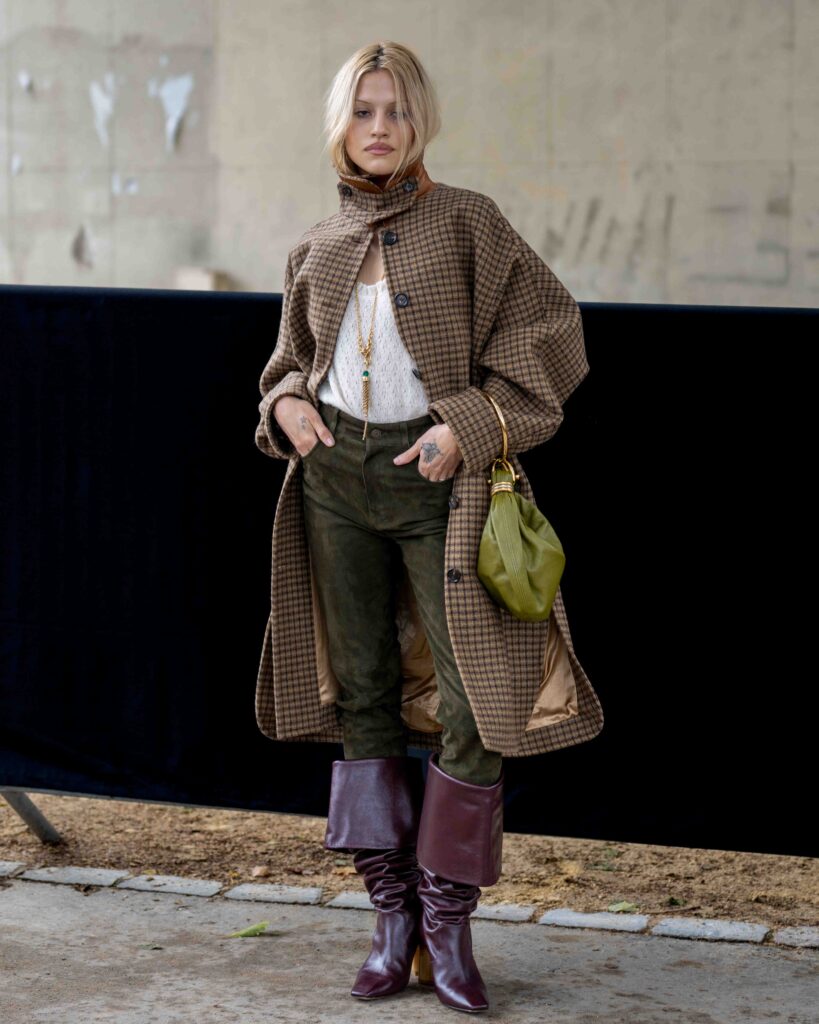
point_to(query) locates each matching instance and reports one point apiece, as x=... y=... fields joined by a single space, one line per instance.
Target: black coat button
x=401 y=299
x=409 y=185
x=346 y=190
x=453 y=575
x=390 y=238
x=454 y=501
x=417 y=372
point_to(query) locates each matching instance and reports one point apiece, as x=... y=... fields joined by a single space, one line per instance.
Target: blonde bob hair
x=414 y=94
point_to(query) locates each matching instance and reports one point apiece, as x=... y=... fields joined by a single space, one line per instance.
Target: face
x=375 y=122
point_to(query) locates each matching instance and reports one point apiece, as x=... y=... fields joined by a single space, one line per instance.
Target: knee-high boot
x=375 y=806
x=460 y=840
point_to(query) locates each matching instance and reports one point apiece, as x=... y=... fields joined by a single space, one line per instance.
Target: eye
x=394 y=114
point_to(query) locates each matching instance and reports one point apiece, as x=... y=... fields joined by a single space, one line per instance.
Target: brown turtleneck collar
x=362 y=199
x=415 y=170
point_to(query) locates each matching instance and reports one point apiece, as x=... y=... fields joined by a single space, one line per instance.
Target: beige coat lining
x=556 y=698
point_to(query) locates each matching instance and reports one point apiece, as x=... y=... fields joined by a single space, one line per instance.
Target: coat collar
x=365 y=201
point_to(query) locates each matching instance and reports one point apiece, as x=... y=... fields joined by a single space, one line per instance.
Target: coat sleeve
x=532 y=359
x=281 y=376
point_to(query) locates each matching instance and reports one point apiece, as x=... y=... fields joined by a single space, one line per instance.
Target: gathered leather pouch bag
x=520 y=559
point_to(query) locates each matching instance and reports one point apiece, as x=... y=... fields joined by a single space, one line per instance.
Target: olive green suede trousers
x=362 y=514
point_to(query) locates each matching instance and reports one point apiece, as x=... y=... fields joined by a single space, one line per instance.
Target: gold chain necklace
x=365 y=351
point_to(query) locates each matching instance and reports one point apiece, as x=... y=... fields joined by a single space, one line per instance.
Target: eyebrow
x=369 y=103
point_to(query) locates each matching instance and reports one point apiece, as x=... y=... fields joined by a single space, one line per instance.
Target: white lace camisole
x=395 y=391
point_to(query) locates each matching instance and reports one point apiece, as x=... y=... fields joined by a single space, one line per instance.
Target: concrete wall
x=650 y=150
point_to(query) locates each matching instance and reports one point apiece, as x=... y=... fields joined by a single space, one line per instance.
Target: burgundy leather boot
x=459 y=847
x=375 y=807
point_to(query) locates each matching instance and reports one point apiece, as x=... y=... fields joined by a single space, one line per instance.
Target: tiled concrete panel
x=607 y=87
x=351 y=901
x=51 y=208
x=805 y=79
x=503 y=911
x=729 y=80
x=271 y=893
x=140 y=129
x=164 y=224
x=52 y=124
x=261 y=217
x=172 y=883
x=493 y=74
x=612 y=239
x=602 y=233
x=705 y=928
x=797 y=936
x=5 y=141
x=180 y=23
x=6 y=221
x=729 y=240
x=70 y=875
x=261 y=117
x=567 y=918
x=89 y=17
x=258 y=23
x=805 y=233
x=8 y=867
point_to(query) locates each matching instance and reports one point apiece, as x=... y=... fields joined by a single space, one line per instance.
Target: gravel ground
x=547 y=871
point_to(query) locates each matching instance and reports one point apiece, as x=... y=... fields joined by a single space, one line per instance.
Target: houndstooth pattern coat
x=476 y=308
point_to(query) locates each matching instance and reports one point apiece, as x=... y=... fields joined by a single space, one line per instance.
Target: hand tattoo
x=303 y=421
x=430 y=450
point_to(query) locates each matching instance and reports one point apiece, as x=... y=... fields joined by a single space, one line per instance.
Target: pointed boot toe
x=388 y=967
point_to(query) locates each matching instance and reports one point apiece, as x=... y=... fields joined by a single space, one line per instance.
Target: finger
x=324 y=435
x=409 y=454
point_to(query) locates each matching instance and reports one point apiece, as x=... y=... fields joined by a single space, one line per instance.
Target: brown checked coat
x=476 y=308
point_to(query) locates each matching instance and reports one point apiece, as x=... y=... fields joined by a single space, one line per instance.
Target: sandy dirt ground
x=546 y=871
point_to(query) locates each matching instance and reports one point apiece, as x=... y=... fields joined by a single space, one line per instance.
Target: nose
x=380 y=124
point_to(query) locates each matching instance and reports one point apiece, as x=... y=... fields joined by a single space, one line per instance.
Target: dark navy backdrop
x=135 y=543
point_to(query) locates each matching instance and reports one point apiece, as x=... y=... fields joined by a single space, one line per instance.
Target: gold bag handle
x=502 y=421
x=503 y=458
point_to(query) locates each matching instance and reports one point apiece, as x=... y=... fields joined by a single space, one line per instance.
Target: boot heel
x=422 y=966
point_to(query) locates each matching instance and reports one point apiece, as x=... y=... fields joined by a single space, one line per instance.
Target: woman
x=397 y=311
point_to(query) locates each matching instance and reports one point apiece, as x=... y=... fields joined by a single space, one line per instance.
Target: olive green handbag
x=520 y=560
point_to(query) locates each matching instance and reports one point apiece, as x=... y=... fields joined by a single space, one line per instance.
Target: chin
x=380 y=166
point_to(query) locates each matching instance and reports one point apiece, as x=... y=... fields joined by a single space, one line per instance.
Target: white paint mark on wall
x=16 y=163
x=102 y=101
x=130 y=186
x=25 y=80
x=81 y=248
x=173 y=94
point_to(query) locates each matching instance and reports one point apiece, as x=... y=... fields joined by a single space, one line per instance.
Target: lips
x=379 y=149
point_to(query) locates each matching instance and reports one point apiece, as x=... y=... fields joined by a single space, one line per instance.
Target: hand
x=302 y=423
x=439 y=453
